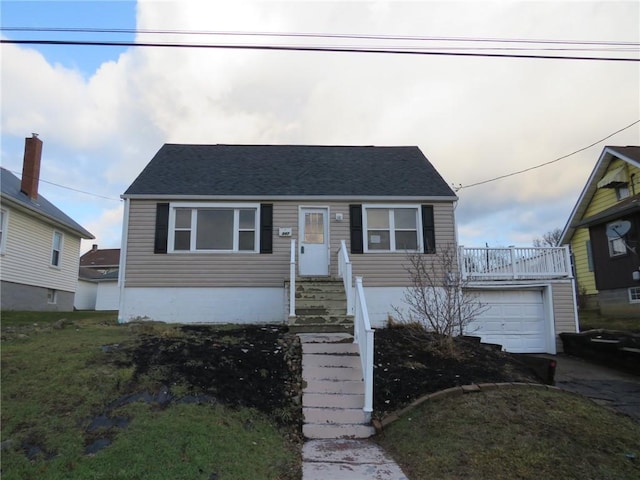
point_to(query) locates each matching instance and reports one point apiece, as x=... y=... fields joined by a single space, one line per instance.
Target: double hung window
x=56 y=249
x=3 y=230
x=213 y=228
x=392 y=229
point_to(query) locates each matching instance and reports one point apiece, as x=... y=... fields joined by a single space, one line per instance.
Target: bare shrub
x=437 y=299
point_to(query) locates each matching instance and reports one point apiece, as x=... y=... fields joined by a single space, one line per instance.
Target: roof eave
x=28 y=209
x=432 y=198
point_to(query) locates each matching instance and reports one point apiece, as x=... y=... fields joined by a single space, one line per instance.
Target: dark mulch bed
x=259 y=366
x=408 y=365
x=253 y=366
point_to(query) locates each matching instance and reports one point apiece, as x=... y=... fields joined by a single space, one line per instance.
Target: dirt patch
x=407 y=367
x=253 y=366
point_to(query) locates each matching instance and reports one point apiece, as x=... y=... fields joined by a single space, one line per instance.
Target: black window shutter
x=428 y=229
x=266 y=228
x=162 y=228
x=355 y=222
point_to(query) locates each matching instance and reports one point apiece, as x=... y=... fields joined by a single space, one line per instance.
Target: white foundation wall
x=203 y=305
x=380 y=303
x=108 y=296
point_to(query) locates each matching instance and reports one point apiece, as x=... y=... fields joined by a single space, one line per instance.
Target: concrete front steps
x=321 y=306
x=333 y=389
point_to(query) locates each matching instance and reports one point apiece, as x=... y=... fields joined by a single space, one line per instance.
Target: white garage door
x=514 y=318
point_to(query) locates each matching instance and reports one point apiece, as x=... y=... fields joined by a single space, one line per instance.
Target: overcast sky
x=103 y=112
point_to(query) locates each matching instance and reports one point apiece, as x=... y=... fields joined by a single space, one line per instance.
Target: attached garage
x=519 y=319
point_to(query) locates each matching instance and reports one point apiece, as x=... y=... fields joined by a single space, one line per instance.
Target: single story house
x=221 y=233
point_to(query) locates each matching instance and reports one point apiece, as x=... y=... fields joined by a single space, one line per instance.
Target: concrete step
x=326 y=338
x=320 y=360
x=333 y=373
x=321 y=311
x=330 y=400
x=348 y=387
x=330 y=348
x=311 y=430
x=320 y=327
x=334 y=416
x=321 y=319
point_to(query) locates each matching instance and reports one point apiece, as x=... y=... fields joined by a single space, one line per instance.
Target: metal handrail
x=292 y=280
x=345 y=272
x=363 y=336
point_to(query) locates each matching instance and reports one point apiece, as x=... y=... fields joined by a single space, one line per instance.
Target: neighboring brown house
x=102 y=260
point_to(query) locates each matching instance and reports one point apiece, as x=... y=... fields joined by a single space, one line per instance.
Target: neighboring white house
x=39 y=244
x=97 y=291
x=220 y=233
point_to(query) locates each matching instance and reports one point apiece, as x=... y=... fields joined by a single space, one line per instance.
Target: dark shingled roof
x=289 y=170
x=101 y=257
x=10 y=187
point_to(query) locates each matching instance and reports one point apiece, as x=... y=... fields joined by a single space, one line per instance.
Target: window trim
x=631 y=299
x=610 y=245
x=392 y=206
x=195 y=206
x=53 y=249
x=4 y=222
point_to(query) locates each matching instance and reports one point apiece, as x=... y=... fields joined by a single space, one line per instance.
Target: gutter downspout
x=123 y=258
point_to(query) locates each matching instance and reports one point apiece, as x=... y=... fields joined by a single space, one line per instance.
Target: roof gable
x=289 y=170
x=10 y=188
x=629 y=154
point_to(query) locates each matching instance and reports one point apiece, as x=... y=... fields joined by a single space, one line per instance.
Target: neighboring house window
x=3 y=229
x=622 y=192
x=52 y=296
x=392 y=229
x=56 y=249
x=589 y=255
x=213 y=228
x=634 y=295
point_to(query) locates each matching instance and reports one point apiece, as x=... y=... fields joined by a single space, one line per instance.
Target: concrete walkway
x=345 y=459
x=335 y=425
x=610 y=388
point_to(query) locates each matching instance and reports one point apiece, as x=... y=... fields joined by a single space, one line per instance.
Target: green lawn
x=56 y=378
x=591 y=319
x=524 y=433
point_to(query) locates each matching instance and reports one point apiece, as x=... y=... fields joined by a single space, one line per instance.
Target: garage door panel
x=513 y=318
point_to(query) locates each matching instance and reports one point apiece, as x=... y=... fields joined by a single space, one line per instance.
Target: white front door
x=314 y=242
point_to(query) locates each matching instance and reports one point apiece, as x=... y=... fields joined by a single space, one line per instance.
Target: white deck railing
x=292 y=280
x=363 y=336
x=345 y=272
x=514 y=263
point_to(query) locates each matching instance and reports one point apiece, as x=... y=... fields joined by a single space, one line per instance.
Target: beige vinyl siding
x=563 y=310
x=146 y=269
x=27 y=256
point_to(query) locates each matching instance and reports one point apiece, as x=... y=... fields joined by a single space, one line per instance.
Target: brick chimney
x=31 y=166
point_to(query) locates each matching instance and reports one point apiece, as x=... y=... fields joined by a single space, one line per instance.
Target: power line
x=72 y=189
x=300 y=48
x=316 y=35
x=550 y=162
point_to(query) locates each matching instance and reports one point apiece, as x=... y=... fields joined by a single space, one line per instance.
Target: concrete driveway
x=610 y=388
